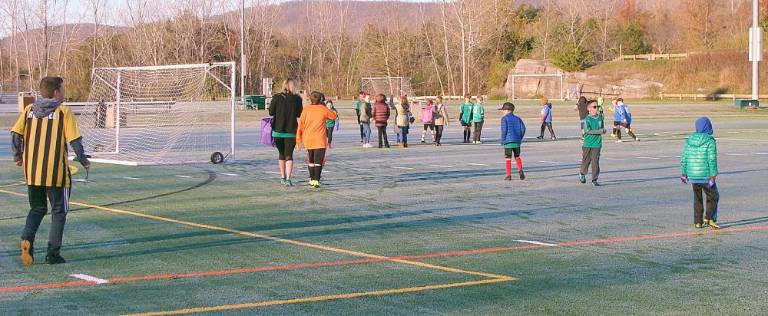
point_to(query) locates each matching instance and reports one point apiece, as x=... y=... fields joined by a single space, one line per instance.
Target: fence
x=651 y=57
x=705 y=96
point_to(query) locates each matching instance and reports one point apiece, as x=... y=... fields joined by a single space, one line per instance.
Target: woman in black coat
x=285 y=110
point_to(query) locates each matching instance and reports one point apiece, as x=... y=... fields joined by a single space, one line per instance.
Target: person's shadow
x=745 y=222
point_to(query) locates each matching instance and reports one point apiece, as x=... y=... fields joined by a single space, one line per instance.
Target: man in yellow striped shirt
x=39 y=143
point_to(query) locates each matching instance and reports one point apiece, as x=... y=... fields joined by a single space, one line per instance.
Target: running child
x=593 y=143
x=331 y=124
x=312 y=134
x=698 y=165
x=428 y=119
x=512 y=133
x=465 y=117
x=627 y=120
x=478 y=118
x=441 y=120
x=546 y=118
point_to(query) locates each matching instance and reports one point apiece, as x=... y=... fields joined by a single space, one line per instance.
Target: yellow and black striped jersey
x=45 y=146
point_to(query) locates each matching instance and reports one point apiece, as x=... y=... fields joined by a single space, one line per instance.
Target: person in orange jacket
x=313 y=135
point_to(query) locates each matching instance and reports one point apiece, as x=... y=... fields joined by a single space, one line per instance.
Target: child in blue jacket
x=512 y=132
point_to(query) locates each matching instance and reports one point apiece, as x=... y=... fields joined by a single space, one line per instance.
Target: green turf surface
x=419 y=201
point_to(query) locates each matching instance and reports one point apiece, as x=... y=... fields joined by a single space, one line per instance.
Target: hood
x=704 y=125
x=43 y=107
x=698 y=139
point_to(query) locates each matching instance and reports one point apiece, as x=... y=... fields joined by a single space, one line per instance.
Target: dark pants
x=404 y=134
x=509 y=152
x=285 y=147
x=590 y=156
x=38 y=202
x=467 y=131
x=478 y=131
x=438 y=133
x=713 y=197
x=383 y=136
x=547 y=125
x=330 y=134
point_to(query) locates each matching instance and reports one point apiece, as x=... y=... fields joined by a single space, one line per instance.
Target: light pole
x=242 y=52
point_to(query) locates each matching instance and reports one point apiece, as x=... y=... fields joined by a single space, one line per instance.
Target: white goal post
x=542 y=82
x=170 y=114
x=389 y=86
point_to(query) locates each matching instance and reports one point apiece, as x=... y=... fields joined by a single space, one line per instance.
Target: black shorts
x=509 y=152
x=429 y=126
x=616 y=123
x=466 y=124
x=285 y=147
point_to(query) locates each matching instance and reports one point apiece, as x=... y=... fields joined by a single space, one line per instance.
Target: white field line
x=131 y=178
x=229 y=174
x=442 y=166
x=89 y=278
x=275 y=172
x=732 y=154
x=617 y=159
x=402 y=168
x=478 y=164
x=651 y=158
x=536 y=243
x=547 y=161
x=183 y=176
x=761 y=153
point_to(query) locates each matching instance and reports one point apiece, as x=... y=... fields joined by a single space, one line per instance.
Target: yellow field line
x=323 y=298
x=11 y=185
x=277 y=239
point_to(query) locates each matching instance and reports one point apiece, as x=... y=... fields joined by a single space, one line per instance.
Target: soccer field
x=422 y=230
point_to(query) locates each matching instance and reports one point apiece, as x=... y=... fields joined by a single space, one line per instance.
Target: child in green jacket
x=478 y=118
x=698 y=165
x=593 y=143
x=465 y=117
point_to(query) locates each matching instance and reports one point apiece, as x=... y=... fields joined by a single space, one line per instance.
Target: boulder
x=533 y=87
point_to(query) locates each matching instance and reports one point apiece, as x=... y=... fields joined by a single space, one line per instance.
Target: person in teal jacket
x=593 y=143
x=465 y=117
x=478 y=117
x=698 y=166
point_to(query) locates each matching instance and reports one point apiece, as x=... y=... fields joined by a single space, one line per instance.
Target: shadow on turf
x=745 y=222
x=670 y=178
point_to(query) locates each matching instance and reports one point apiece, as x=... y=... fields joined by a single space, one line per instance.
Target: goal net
x=160 y=115
x=534 y=86
x=389 y=86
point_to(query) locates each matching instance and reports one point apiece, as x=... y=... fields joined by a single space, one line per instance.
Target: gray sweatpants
x=38 y=202
x=590 y=156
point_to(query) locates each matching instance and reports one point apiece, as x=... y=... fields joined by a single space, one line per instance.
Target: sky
x=79 y=10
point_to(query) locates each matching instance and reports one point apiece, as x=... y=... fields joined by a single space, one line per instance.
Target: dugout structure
x=389 y=86
x=152 y=115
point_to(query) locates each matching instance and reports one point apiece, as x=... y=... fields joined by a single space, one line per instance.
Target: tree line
x=447 y=48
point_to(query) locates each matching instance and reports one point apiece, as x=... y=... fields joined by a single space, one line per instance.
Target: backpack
x=266 y=132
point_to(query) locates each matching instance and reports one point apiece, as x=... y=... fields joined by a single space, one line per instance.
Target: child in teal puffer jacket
x=698 y=165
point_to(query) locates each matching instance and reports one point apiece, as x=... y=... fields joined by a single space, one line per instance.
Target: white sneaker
x=619 y=141
x=479 y=142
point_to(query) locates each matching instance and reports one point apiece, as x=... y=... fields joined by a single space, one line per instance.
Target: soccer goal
x=161 y=114
x=389 y=86
x=533 y=86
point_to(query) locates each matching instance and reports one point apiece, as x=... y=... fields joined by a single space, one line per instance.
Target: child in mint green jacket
x=478 y=117
x=698 y=165
x=465 y=117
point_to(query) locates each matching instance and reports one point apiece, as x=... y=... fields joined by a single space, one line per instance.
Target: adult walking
x=381 y=113
x=285 y=110
x=440 y=115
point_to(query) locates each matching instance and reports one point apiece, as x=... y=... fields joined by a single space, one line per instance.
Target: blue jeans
x=403 y=134
x=366 y=132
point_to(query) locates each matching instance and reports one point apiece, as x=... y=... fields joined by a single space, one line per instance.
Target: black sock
x=319 y=172
x=312 y=173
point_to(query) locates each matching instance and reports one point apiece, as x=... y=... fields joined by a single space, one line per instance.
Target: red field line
x=300 y=266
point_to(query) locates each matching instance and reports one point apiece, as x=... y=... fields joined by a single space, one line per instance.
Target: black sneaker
x=595 y=183
x=582 y=178
x=540 y=138
x=54 y=259
x=522 y=175
x=508 y=178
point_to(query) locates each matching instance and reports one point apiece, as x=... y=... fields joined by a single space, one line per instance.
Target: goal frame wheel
x=217 y=158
